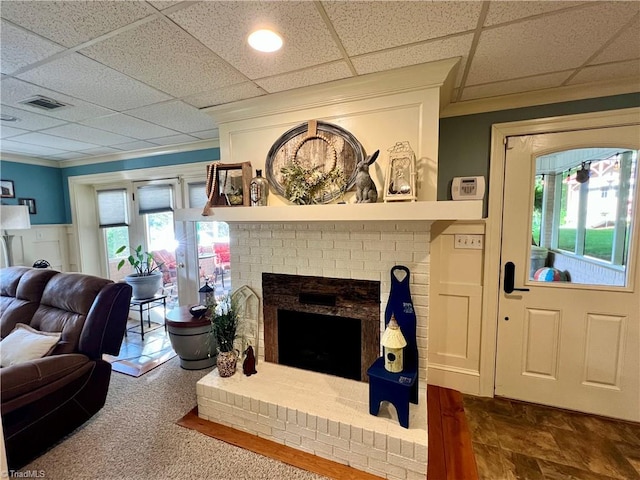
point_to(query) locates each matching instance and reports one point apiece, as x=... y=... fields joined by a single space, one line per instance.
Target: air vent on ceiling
x=44 y=102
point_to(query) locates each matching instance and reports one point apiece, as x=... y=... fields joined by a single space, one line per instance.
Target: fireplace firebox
x=328 y=325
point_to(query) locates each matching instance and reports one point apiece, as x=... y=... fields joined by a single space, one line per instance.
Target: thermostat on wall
x=467 y=188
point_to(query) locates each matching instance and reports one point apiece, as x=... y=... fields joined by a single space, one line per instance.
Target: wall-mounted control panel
x=471 y=242
x=467 y=188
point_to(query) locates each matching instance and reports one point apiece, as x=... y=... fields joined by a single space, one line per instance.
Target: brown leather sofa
x=45 y=399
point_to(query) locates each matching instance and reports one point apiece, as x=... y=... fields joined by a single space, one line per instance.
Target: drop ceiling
x=135 y=75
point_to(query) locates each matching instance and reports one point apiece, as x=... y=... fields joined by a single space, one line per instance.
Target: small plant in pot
x=147 y=277
x=224 y=328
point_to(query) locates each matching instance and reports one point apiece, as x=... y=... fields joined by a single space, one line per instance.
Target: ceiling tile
x=174 y=140
x=30 y=121
x=72 y=23
x=83 y=133
x=610 y=71
x=308 y=76
x=625 y=47
x=225 y=95
x=502 y=12
x=224 y=27
x=6 y=132
x=416 y=54
x=21 y=48
x=161 y=5
x=101 y=151
x=515 y=86
x=162 y=55
x=516 y=50
x=44 y=140
x=67 y=156
x=365 y=27
x=132 y=146
x=14 y=91
x=130 y=126
x=207 y=134
x=27 y=148
x=93 y=83
x=175 y=115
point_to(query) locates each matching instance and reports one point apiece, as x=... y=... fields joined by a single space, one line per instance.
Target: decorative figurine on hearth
x=249 y=364
x=393 y=342
x=366 y=191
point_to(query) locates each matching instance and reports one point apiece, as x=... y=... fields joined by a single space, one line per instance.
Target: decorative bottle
x=259 y=189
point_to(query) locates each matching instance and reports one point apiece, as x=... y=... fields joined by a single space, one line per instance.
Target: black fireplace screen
x=321 y=343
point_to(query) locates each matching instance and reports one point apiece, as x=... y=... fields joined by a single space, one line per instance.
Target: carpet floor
x=135 y=436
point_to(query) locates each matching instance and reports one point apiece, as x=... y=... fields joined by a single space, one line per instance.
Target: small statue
x=249 y=364
x=366 y=191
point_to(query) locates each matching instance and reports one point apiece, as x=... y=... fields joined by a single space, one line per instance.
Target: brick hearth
x=320 y=414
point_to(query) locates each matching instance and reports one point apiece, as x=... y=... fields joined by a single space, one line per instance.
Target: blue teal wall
x=44 y=184
x=465 y=141
x=50 y=186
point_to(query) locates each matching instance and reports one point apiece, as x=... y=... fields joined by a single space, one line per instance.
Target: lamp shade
x=14 y=217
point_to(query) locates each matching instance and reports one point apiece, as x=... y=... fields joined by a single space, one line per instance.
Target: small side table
x=147 y=304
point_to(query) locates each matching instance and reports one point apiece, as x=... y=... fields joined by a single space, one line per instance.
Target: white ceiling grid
x=136 y=73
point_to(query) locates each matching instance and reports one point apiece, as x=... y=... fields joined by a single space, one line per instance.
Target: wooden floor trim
x=450 y=451
x=451 y=454
x=271 y=449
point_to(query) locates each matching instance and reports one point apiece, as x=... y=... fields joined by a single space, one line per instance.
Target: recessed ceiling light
x=8 y=118
x=265 y=40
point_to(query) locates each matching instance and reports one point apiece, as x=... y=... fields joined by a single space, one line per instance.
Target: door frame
x=493 y=236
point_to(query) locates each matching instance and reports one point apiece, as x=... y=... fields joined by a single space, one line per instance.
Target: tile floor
x=515 y=440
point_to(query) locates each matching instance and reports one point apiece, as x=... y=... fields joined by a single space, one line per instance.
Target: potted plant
x=224 y=328
x=147 y=277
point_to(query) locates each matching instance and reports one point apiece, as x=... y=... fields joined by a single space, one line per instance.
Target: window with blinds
x=155 y=199
x=197 y=194
x=112 y=208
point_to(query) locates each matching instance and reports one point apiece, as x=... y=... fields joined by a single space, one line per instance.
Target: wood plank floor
x=449 y=443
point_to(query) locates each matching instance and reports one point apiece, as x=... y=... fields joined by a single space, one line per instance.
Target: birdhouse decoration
x=393 y=343
x=207 y=294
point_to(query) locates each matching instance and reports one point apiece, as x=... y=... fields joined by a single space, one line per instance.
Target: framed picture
x=7 y=189
x=232 y=185
x=29 y=202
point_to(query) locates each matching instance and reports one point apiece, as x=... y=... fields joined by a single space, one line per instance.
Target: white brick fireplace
x=324 y=415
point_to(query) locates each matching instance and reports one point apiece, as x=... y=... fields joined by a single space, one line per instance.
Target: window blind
x=112 y=208
x=197 y=194
x=155 y=199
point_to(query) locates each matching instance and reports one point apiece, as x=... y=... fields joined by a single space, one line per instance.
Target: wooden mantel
x=361 y=212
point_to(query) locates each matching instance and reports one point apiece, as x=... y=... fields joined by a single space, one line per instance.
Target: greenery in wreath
x=306 y=186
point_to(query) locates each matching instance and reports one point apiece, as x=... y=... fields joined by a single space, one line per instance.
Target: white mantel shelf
x=361 y=212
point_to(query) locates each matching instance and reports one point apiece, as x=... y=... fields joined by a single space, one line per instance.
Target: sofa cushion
x=25 y=343
x=28 y=377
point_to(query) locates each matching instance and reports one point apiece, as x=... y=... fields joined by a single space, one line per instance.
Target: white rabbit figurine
x=366 y=191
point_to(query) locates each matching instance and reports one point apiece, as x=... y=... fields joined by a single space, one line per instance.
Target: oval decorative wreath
x=305 y=186
x=302 y=176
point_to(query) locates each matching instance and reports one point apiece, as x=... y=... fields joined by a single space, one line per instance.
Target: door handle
x=509 y=276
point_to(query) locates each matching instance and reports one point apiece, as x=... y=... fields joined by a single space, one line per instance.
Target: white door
x=569 y=336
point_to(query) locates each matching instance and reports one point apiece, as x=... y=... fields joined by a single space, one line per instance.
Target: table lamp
x=12 y=217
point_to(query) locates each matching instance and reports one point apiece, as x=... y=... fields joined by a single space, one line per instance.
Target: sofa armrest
x=23 y=378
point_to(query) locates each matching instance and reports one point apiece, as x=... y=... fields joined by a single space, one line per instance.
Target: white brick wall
x=364 y=251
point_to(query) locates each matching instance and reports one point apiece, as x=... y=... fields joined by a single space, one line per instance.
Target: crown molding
x=542 y=97
x=146 y=152
x=14 y=157
x=400 y=80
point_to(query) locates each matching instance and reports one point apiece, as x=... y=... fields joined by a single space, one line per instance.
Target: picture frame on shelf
x=8 y=189
x=29 y=202
x=230 y=185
